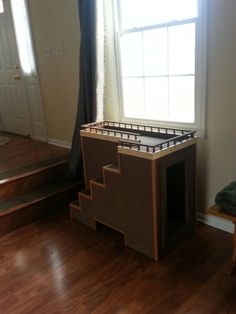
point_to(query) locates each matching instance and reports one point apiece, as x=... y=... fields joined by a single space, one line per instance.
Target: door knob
x=17 y=77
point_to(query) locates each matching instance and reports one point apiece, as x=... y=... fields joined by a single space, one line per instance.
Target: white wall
x=55 y=24
x=217 y=153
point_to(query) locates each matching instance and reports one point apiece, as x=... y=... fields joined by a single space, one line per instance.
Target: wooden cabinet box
x=140 y=180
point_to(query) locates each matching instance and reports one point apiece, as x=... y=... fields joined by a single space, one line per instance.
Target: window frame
x=30 y=48
x=200 y=72
x=2 y=9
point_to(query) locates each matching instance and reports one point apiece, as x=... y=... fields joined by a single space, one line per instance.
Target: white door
x=20 y=99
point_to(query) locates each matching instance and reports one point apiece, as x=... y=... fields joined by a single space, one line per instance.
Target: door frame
x=35 y=113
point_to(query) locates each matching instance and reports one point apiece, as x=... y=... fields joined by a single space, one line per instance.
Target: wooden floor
x=22 y=153
x=60 y=266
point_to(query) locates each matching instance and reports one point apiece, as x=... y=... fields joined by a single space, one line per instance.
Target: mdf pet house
x=140 y=180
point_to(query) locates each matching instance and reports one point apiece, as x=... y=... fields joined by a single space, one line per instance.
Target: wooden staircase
x=122 y=201
x=90 y=194
x=33 y=193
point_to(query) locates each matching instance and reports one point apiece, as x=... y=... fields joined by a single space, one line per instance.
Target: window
x=161 y=60
x=1 y=7
x=23 y=37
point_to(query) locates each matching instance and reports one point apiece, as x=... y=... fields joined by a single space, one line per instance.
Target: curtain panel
x=90 y=99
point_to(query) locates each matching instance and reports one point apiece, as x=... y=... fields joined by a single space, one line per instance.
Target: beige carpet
x=4 y=140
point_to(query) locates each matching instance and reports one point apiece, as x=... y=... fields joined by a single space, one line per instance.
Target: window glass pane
x=182 y=49
x=155 y=52
x=133 y=91
x=181 y=98
x=137 y=13
x=156 y=98
x=131 y=54
x=23 y=36
x=1 y=7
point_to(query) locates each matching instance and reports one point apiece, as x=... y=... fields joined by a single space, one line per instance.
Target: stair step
x=75 y=205
x=74 y=209
x=25 y=182
x=85 y=193
x=35 y=196
x=98 y=181
x=33 y=167
x=112 y=168
x=33 y=205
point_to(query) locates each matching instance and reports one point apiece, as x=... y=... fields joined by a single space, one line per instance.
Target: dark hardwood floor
x=60 y=266
x=22 y=154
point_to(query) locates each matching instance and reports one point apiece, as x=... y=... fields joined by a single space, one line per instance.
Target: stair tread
x=86 y=192
x=98 y=180
x=35 y=167
x=112 y=166
x=9 y=203
x=37 y=194
x=75 y=204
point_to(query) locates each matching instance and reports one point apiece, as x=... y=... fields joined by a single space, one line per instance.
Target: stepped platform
x=33 y=181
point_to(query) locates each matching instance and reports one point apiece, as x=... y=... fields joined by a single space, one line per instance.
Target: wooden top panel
x=140 y=153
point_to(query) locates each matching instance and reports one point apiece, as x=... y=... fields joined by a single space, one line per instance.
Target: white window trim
x=201 y=73
x=1 y=7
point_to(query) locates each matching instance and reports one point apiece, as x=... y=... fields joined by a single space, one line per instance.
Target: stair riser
x=75 y=213
x=39 y=210
x=25 y=184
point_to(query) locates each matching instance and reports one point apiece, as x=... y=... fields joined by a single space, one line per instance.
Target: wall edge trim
x=216 y=222
x=60 y=143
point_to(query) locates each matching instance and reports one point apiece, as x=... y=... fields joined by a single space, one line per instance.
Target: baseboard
x=59 y=143
x=216 y=222
x=40 y=139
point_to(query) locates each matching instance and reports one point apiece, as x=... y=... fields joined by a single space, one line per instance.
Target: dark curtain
x=87 y=111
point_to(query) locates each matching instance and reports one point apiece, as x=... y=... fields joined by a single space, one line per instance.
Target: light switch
x=47 y=52
x=59 y=50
